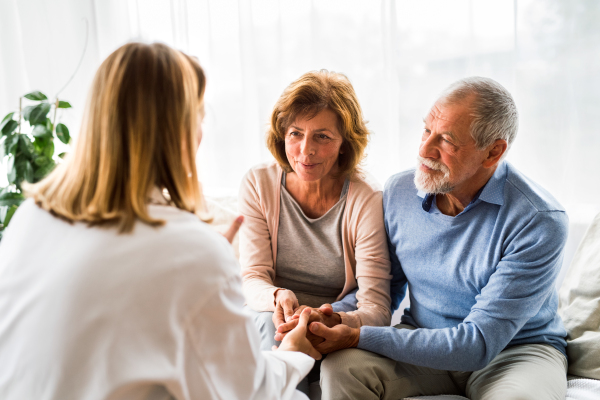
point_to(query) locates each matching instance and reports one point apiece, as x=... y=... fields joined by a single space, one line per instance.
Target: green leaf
x=8 y=116
x=27 y=112
x=63 y=133
x=41 y=172
x=9 y=214
x=39 y=113
x=49 y=149
x=26 y=146
x=41 y=131
x=28 y=172
x=11 y=143
x=63 y=154
x=11 y=198
x=9 y=126
x=40 y=161
x=12 y=170
x=64 y=104
x=37 y=95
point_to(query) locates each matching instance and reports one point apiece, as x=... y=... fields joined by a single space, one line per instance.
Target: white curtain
x=398 y=54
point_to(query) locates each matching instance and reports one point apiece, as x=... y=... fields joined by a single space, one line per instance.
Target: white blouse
x=87 y=313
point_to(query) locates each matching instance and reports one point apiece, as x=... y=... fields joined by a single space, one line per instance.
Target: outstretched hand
x=234 y=228
x=296 y=339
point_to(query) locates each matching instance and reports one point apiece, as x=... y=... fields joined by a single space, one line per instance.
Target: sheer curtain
x=398 y=54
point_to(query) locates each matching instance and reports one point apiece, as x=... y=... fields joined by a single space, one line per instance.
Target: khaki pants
x=531 y=371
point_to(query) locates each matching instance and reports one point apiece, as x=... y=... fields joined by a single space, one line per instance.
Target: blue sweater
x=479 y=282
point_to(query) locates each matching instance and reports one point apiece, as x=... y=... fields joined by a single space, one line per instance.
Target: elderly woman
x=111 y=286
x=314 y=228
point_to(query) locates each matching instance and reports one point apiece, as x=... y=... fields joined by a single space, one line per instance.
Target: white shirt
x=87 y=313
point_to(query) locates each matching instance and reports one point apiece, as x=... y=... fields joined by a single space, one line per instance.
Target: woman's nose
x=306 y=146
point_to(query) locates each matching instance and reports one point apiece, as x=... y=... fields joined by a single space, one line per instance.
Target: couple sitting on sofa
x=478 y=244
x=129 y=295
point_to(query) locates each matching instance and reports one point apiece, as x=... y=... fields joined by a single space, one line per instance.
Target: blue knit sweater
x=479 y=282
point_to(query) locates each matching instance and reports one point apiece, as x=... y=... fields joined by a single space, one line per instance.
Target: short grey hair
x=494 y=111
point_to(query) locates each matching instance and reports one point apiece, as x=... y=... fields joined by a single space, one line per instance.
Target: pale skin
x=446 y=139
x=312 y=145
x=296 y=340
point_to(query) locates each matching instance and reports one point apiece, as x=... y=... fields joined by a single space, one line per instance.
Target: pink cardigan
x=363 y=236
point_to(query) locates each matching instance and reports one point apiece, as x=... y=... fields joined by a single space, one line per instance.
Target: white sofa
x=579 y=288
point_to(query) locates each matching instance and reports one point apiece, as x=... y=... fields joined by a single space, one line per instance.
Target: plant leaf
x=26 y=146
x=11 y=198
x=39 y=113
x=40 y=131
x=37 y=95
x=11 y=143
x=12 y=170
x=8 y=116
x=63 y=133
x=9 y=214
x=28 y=171
x=40 y=161
x=43 y=171
x=9 y=126
x=27 y=112
x=49 y=149
x=64 y=104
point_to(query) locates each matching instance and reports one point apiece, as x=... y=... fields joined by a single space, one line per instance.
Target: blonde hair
x=307 y=96
x=138 y=133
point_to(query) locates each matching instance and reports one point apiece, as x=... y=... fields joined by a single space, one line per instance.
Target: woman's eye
x=294 y=133
x=321 y=136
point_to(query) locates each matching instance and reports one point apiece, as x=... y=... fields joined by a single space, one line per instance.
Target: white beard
x=433 y=182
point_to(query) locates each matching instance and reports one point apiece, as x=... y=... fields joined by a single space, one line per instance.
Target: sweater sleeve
x=256 y=257
x=523 y=280
x=372 y=267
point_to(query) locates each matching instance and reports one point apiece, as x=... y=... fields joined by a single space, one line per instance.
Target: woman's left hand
x=323 y=314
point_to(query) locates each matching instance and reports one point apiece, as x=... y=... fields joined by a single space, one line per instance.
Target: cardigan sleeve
x=256 y=254
x=372 y=266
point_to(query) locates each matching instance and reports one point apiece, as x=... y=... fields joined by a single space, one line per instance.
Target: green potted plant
x=29 y=155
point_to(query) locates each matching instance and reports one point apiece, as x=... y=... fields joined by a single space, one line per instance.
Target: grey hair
x=494 y=111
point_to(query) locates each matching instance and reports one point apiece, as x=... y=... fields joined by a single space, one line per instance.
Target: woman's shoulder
x=364 y=186
x=261 y=182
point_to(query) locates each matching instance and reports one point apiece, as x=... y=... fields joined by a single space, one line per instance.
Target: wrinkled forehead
x=445 y=115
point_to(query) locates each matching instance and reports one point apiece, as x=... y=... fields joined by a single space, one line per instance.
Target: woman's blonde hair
x=306 y=97
x=138 y=134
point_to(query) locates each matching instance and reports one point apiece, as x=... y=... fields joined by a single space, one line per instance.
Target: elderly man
x=480 y=246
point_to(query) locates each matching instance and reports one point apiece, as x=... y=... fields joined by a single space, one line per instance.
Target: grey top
x=310 y=258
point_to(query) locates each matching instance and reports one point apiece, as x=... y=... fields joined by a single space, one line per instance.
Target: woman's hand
x=323 y=314
x=296 y=339
x=285 y=304
x=234 y=228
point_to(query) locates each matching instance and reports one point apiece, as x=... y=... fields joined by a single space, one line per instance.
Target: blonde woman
x=111 y=286
x=314 y=228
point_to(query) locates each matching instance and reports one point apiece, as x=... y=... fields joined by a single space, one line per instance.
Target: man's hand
x=296 y=339
x=336 y=338
x=285 y=304
x=234 y=228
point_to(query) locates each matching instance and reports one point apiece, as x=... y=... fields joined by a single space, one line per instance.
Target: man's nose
x=428 y=148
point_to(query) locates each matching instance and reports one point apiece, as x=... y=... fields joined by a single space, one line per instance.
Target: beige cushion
x=580 y=306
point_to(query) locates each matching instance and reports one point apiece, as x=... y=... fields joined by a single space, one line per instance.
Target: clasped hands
x=325 y=330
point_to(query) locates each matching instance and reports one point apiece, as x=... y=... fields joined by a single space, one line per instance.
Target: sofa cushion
x=580 y=306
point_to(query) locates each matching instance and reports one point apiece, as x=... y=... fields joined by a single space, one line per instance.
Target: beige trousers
x=531 y=371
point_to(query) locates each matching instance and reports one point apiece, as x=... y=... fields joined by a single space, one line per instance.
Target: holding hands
x=325 y=329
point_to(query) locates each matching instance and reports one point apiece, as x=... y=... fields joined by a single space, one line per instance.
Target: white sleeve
x=227 y=361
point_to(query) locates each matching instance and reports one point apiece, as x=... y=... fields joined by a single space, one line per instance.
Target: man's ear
x=495 y=152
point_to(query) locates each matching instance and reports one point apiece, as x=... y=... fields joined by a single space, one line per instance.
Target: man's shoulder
x=520 y=188
x=400 y=182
